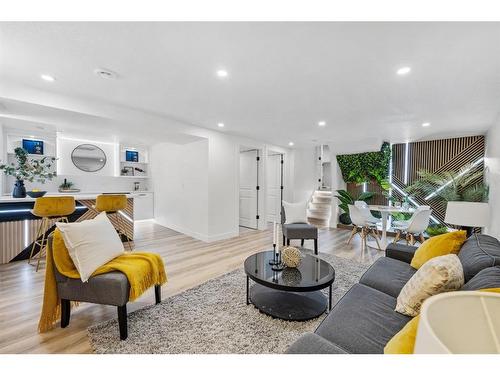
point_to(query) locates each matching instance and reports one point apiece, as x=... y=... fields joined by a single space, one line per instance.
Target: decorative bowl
x=36 y=194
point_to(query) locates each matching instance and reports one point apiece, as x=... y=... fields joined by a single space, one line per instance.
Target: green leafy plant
x=345 y=199
x=367 y=166
x=29 y=169
x=401 y=216
x=461 y=185
x=436 y=229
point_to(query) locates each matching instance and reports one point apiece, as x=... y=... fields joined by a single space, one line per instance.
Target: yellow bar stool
x=51 y=210
x=112 y=204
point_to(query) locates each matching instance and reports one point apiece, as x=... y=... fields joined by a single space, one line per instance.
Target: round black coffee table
x=291 y=294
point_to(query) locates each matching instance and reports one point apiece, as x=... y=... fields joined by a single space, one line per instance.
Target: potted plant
x=28 y=170
x=346 y=199
x=66 y=185
x=465 y=184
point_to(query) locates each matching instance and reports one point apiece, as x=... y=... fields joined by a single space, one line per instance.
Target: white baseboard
x=222 y=236
x=199 y=236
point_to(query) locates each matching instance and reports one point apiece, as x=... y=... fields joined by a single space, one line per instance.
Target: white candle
x=277 y=244
x=274 y=232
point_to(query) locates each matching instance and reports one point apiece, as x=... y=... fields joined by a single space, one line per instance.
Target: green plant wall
x=367 y=166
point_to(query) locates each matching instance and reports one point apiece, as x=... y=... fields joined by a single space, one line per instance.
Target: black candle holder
x=276 y=263
x=275 y=258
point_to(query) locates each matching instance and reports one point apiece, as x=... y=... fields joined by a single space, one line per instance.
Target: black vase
x=19 y=190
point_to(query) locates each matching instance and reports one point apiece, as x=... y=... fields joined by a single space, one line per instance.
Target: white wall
x=217 y=162
x=65 y=165
x=223 y=156
x=2 y=156
x=337 y=183
x=492 y=162
x=223 y=180
x=180 y=180
x=305 y=178
x=103 y=181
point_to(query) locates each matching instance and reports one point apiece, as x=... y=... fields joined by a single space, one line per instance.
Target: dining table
x=385 y=211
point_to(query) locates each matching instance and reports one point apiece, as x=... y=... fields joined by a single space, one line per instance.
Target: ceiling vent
x=105 y=73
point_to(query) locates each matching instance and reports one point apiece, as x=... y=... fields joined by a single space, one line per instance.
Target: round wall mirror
x=88 y=158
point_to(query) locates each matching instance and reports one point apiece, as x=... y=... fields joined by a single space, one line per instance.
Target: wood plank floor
x=189 y=262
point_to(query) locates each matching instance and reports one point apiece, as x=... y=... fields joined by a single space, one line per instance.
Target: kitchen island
x=18 y=227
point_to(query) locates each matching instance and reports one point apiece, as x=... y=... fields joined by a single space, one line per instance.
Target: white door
x=273 y=202
x=248 y=189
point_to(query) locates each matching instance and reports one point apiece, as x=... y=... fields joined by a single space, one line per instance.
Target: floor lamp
x=468 y=215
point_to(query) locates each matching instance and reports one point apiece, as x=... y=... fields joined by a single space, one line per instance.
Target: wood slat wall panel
x=15 y=236
x=436 y=156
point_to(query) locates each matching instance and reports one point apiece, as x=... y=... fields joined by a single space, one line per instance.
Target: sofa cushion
x=485 y=279
x=311 y=343
x=363 y=321
x=388 y=275
x=438 y=275
x=480 y=251
x=400 y=252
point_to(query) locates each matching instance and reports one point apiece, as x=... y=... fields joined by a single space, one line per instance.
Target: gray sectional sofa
x=364 y=320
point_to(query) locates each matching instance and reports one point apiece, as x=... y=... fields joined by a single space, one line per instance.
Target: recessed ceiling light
x=47 y=78
x=322 y=123
x=426 y=124
x=221 y=73
x=290 y=143
x=220 y=125
x=404 y=70
x=105 y=73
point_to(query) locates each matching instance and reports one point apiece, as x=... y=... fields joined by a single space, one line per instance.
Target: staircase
x=319 y=210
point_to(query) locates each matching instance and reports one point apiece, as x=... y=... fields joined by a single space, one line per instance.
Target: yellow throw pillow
x=403 y=342
x=444 y=244
x=491 y=290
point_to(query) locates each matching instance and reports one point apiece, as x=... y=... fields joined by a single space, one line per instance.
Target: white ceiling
x=37 y=118
x=283 y=77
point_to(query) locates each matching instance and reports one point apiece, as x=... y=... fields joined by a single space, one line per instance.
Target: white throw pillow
x=437 y=275
x=91 y=243
x=295 y=212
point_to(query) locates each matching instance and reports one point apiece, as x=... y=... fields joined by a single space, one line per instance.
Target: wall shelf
x=33 y=156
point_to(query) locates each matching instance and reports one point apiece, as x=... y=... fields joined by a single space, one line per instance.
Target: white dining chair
x=361 y=226
x=365 y=211
x=415 y=228
x=405 y=223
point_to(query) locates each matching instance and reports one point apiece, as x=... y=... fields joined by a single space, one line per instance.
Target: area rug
x=214 y=318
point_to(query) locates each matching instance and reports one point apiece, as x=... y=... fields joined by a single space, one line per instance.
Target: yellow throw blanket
x=143 y=270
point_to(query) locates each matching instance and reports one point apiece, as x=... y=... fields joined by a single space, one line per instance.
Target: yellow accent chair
x=50 y=210
x=112 y=204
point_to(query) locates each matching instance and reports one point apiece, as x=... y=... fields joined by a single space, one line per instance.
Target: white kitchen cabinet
x=143 y=206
